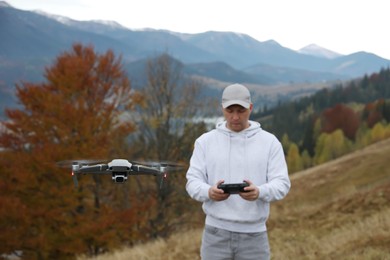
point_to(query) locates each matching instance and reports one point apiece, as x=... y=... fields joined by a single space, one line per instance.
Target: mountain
x=319 y=51
x=49 y=34
x=30 y=41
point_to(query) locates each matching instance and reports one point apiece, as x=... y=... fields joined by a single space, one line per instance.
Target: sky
x=342 y=26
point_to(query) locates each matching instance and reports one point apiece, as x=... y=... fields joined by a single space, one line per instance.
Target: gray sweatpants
x=218 y=244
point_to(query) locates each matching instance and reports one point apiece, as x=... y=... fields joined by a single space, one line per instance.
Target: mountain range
x=30 y=41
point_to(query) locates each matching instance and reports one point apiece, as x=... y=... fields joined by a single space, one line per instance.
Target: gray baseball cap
x=236 y=94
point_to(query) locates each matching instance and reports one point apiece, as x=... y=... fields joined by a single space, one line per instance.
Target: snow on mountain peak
x=58 y=18
x=111 y=24
x=69 y=21
x=315 y=50
x=4 y=4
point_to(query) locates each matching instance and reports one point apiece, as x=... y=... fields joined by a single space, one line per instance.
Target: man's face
x=237 y=117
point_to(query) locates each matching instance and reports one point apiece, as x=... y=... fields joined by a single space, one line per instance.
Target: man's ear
x=251 y=107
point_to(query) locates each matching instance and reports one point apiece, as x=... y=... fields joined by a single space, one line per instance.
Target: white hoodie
x=252 y=154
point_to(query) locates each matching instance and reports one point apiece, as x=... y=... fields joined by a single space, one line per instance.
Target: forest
x=333 y=121
x=86 y=108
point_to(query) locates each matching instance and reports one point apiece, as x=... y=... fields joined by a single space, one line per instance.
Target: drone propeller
x=162 y=164
x=69 y=163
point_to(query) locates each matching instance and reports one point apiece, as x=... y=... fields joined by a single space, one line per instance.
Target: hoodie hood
x=254 y=127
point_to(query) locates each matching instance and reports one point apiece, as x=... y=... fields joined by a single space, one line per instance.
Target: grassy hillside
x=338 y=210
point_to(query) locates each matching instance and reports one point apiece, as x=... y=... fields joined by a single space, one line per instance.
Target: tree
x=74 y=114
x=331 y=146
x=306 y=159
x=294 y=160
x=378 y=132
x=286 y=143
x=171 y=102
x=340 y=117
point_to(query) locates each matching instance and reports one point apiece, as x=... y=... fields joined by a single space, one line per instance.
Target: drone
x=120 y=169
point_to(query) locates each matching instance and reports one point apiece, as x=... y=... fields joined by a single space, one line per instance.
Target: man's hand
x=217 y=194
x=251 y=192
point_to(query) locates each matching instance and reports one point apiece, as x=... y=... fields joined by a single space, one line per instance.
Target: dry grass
x=179 y=246
x=339 y=210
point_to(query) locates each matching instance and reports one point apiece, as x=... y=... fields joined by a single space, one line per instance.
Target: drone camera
x=119 y=177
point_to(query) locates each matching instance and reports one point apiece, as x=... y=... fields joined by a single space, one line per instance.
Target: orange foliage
x=373 y=112
x=74 y=114
x=340 y=117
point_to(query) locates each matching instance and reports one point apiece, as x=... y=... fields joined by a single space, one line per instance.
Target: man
x=238 y=150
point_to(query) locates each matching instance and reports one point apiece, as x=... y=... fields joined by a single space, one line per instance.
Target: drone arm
x=99 y=168
x=141 y=169
x=76 y=170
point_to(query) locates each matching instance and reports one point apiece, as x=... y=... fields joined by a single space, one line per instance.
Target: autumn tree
x=376 y=111
x=340 y=117
x=294 y=159
x=74 y=114
x=331 y=146
x=379 y=132
x=307 y=161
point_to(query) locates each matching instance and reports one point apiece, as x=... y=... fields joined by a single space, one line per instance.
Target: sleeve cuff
x=264 y=193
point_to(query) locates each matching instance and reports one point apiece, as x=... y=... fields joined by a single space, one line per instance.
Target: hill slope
x=338 y=210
